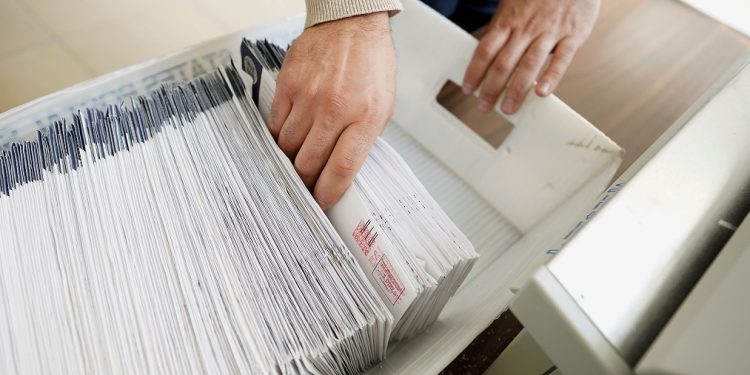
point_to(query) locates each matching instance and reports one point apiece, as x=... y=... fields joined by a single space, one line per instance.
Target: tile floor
x=47 y=45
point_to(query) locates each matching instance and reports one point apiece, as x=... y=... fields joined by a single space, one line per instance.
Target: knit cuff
x=319 y=11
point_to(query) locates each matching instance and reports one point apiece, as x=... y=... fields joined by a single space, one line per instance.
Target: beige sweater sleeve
x=319 y=11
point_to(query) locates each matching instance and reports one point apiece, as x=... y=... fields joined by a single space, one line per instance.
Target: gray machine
x=657 y=280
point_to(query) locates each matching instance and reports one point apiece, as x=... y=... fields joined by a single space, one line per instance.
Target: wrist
x=363 y=23
x=377 y=21
x=322 y=11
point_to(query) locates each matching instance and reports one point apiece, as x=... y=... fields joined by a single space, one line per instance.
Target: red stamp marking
x=387 y=280
x=365 y=235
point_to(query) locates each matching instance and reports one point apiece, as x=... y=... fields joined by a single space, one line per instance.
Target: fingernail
x=467 y=88
x=484 y=105
x=508 y=105
x=544 y=88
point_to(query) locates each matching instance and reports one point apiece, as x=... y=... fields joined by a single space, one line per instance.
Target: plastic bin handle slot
x=492 y=127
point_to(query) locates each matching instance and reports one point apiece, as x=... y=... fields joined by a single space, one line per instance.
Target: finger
x=280 y=108
x=485 y=52
x=528 y=70
x=314 y=153
x=499 y=72
x=295 y=129
x=345 y=161
x=561 y=58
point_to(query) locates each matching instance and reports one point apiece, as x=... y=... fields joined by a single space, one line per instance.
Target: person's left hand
x=519 y=39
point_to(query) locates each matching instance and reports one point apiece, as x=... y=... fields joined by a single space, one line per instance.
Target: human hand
x=519 y=39
x=334 y=96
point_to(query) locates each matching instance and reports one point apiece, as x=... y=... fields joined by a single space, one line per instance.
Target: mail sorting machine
x=657 y=281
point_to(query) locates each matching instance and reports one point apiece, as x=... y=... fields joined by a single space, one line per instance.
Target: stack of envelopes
x=169 y=234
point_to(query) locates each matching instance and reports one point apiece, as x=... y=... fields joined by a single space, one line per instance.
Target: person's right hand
x=519 y=39
x=334 y=96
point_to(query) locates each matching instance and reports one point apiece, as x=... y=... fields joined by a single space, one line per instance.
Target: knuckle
x=287 y=133
x=343 y=167
x=502 y=66
x=377 y=107
x=334 y=105
x=305 y=166
x=484 y=52
x=535 y=58
x=536 y=24
x=504 y=21
x=567 y=50
x=329 y=127
x=309 y=92
x=555 y=71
